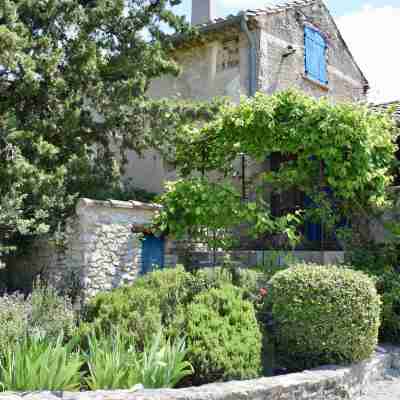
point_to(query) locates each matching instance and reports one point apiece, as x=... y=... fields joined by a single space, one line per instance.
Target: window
x=315 y=55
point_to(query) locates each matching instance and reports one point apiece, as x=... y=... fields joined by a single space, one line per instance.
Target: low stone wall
x=327 y=383
x=100 y=250
x=251 y=258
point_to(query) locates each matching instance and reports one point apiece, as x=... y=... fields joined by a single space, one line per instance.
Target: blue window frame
x=315 y=55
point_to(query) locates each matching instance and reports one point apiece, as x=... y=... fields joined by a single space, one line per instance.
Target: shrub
x=14 y=311
x=381 y=263
x=388 y=286
x=43 y=313
x=133 y=311
x=324 y=315
x=246 y=279
x=51 y=314
x=39 y=364
x=224 y=340
x=144 y=307
x=114 y=364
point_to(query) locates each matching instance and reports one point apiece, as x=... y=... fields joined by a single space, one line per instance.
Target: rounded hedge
x=223 y=336
x=324 y=315
x=143 y=308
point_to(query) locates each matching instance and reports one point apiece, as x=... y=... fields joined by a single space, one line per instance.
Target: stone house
x=293 y=45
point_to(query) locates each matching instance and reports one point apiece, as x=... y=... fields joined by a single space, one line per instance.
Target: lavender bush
x=44 y=313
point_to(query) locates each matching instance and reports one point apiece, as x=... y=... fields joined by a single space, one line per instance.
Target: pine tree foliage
x=73 y=79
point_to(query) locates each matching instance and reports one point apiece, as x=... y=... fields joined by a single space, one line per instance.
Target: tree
x=211 y=212
x=341 y=157
x=73 y=78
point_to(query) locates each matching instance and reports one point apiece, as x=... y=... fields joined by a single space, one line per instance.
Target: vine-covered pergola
x=341 y=157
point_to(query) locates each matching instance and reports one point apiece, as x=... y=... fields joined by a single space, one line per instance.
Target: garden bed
x=325 y=383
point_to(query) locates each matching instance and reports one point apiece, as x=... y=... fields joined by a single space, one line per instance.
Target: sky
x=371 y=28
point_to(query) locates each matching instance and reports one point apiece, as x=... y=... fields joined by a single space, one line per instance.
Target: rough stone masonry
x=326 y=383
x=100 y=250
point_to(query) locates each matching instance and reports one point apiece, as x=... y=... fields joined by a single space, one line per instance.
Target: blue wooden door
x=152 y=253
x=313 y=230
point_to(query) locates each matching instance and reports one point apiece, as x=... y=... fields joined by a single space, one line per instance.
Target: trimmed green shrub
x=132 y=311
x=143 y=308
x=223 y=337
x=324 y=315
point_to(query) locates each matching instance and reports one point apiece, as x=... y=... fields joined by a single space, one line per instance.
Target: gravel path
x=388 y=389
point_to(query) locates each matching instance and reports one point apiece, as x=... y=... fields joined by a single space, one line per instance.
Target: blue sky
x=337 y=7
x=370 y=27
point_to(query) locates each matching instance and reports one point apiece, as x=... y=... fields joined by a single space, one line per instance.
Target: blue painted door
x=313 y=230
x=152 y=253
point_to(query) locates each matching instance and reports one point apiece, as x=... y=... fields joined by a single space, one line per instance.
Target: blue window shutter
x=315 y=55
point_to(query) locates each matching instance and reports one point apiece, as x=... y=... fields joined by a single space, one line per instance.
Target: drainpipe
x=252 y=54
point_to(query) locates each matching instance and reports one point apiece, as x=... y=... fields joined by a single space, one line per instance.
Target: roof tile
x=268 y=9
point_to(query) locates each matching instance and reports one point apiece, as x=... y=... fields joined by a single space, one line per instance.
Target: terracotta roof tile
x=256 y=12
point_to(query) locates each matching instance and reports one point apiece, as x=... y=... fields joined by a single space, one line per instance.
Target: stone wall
x=100 y=251
x=218 y=65
x=326 y=383
x=266 y=258
x=276 y=72
x=215 y=67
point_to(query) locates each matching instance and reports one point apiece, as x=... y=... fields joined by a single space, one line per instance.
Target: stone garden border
x=325 y=383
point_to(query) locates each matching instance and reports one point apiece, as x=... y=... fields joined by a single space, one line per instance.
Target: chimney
x=203 y=11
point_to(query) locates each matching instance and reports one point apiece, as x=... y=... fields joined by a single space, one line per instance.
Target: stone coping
x=132 y=204
x=325 y=383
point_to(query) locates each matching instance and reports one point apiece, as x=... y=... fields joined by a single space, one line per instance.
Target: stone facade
x=285 y=30
x=100 y=250
x=218 y=64
x=326 y=383
x=216 y=68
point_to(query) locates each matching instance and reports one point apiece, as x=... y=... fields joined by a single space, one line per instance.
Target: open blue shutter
x=315 y=55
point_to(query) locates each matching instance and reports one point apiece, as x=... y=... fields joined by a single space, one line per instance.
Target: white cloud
x=373 y=36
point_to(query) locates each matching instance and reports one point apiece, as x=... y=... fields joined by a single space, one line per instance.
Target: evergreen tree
x=73 y=78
